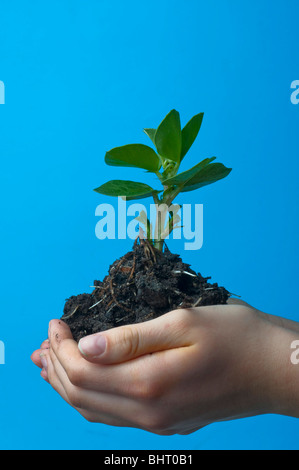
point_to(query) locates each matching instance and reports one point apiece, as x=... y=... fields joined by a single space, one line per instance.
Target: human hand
x=179 y=372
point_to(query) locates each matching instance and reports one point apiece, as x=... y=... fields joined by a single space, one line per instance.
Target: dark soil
x=144 y=284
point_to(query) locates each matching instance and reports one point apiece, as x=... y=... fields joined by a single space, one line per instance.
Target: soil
x=142 y=285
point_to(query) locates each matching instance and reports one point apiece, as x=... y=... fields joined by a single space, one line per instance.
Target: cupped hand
x=177 y=373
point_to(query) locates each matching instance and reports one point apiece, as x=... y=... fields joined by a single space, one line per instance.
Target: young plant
x=171 y=144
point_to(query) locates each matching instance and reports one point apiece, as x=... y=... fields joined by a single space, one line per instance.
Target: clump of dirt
x=142 y=285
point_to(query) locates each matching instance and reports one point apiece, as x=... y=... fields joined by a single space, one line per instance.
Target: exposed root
x=197 y=302
x=114 y=299
x=71 y=314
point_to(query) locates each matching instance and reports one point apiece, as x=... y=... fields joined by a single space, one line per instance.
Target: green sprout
x=171 y=144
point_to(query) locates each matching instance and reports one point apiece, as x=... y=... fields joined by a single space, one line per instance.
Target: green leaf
x=208 y=175
x=189 y=133
x=185 y=176
x=128 y=189
x=134 y=155
x=168 y=137
x=151 y=134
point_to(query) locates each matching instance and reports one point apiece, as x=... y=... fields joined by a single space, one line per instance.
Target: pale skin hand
x=180 y=372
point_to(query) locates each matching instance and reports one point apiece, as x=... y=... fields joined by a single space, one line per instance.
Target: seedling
x=148 y=281
x=171 y=144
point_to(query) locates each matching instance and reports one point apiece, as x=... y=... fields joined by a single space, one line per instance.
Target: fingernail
x=94 y=345
x=43 y=361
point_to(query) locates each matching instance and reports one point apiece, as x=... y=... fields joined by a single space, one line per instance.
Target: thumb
x=128 y=342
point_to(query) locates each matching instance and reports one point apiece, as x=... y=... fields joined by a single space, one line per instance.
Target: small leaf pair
x=171 y=142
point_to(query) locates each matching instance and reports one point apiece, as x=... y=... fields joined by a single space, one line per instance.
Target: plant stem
x=158 y=244
x=162 y=212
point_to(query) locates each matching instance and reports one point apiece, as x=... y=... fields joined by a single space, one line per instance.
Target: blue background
x=83 y=77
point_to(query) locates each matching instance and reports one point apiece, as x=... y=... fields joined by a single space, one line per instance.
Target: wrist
x=282 y=374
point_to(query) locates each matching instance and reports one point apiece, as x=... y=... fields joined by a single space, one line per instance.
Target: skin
x=179 y=372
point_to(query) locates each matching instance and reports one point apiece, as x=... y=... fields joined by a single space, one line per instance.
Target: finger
x=125 y=343
x=112 y=394
x=60 y=337
x=130 y=379
x=45 y=344
x=49 y=373
x=59 y=330
x=44 y=375
x=65 y=353
x=65 y=348
x=92 y=405
x=35 y=357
